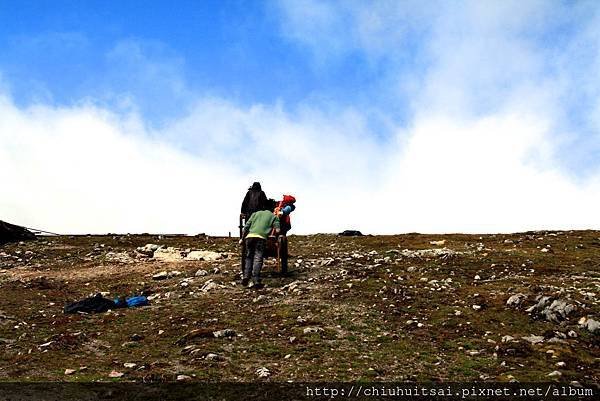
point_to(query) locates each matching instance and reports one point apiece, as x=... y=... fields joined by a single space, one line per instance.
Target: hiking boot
x=245 y=281
x=257 y=286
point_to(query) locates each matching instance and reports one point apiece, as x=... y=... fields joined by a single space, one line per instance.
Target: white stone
x=556 y=373
x=205 y=255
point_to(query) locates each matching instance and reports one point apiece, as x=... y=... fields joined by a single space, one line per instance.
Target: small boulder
x=506 y=339
x=309 y=330
x=160 y=276
x=590 y=324
x=552 y=309
x=263 y=372
x=214 y=357
x=516 y=300
x=350 y=233
x=205 y=255
x=169 y=254
x=224 y=333
x=147 y=250
x=534 y=339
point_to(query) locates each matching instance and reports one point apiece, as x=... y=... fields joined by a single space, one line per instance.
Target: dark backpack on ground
x=96 y=304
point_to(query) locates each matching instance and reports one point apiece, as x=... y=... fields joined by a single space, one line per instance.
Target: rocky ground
x=519 y=307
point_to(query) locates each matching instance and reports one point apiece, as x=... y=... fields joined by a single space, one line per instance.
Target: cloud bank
x=492 y=143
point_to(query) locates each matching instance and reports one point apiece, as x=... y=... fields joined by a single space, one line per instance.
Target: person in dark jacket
x=254 y=201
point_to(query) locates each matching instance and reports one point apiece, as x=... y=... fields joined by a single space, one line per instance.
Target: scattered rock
x=556 y=373
x=516 y=300
x=183 y=378
x=201 y=273
x=551 y=309
x=263 y=372
x=259 y=298
x=160 y=276
x=350 y=233
x=210 y=285
x=327 y=262
x=69 y=371
x=205 y=255
x=118 y=257
x=442 y=253
x=590 y=324
x=115 y=374
x=438 y=243
x=534 y=339
x=308 y=330
x=148 y=249
x=129 y=365
x=169 y=254
x=224 y=333
x=214 y=357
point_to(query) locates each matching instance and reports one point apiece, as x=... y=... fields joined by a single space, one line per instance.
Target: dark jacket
x=254 y=200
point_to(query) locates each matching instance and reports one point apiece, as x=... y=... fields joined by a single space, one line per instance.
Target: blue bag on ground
x=137 y=301
x=131 y=302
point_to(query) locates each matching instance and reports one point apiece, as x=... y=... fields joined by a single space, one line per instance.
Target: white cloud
x=86 y=170
x=493 y=174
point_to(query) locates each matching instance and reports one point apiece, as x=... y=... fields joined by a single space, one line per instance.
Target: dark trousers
x=255 y=251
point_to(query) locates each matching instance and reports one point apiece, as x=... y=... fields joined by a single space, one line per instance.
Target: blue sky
x=233 y=49
x=491 y=108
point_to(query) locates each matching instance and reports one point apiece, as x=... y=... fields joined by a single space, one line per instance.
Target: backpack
x=96 y=304
x=137 y=301
x=283 y=210
x=131 y=302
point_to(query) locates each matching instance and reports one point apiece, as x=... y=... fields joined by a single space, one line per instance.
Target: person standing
x=254 y=201
x=255 y=233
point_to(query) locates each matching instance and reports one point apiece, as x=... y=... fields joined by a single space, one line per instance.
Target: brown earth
x=351 y=308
